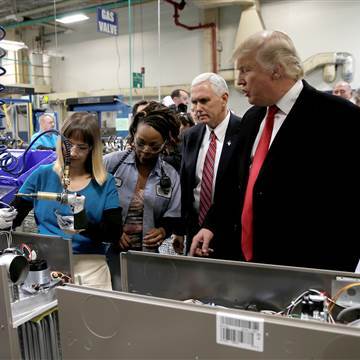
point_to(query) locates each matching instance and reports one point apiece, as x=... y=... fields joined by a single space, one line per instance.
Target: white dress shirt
x=220 y=132
x=285 y=104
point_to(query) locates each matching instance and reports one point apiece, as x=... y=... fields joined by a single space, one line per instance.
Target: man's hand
x=200 y=243
x=7 y=216
x=154 y=237
x=178 y=244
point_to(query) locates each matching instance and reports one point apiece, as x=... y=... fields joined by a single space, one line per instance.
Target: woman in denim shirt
x=148 y=187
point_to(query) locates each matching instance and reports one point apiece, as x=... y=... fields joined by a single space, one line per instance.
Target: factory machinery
x=31 y=267
x=175 y=307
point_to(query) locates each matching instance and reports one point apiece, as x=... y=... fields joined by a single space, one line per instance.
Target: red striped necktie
x=207 y=179
x=259 y=157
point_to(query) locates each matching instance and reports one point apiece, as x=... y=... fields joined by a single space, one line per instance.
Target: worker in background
x=148 y=187
x=207 y=154
x=357 y=97
x=186 y=122
x=181 y=99
x=297 y=186
x=48 y=140
x=343 y=89
x=173 y=152
x=97 y=200
x=193 y=114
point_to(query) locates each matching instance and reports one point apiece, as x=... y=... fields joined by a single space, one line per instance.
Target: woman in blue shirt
x=88 y=178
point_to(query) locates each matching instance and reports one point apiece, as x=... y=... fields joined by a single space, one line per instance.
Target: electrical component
x=16 y=265
x=39 y=275
x=77 y=221
x=63 y=198
x=314 y=307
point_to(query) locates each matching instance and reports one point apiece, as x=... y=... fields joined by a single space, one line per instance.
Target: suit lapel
x=194 y=146
x=228 y=148
x=290 y=129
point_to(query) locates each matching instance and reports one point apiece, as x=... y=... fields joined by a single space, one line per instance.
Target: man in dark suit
x=209 y=97
x=297 y=182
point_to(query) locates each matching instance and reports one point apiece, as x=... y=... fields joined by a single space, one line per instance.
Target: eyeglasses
x=153 y=149
x=80 y=147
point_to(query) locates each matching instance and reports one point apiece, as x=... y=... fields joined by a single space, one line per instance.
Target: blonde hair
x=272 y=48
x=85 y=126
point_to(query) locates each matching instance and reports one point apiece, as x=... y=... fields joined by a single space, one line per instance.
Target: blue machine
x=99 y=104
x=11 y=182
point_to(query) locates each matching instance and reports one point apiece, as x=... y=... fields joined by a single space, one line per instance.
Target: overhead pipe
x=212 y=26
x=329 y=61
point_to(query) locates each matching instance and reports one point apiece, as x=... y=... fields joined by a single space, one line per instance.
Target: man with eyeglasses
x=208 y=150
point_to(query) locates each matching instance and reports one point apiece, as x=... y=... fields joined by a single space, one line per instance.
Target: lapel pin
x=229 y=143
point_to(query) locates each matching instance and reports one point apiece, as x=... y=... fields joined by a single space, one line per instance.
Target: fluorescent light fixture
x=72 y=18
x=12 y=45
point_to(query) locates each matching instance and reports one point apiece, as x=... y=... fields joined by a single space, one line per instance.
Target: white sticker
x=240 y=331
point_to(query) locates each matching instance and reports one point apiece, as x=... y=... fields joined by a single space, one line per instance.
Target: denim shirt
x=156 y=204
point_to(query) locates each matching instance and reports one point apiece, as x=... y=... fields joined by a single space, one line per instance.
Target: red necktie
x=207 y=179
x=259 y=157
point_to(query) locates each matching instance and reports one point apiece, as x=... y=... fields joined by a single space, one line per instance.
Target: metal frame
x=15 y=122
x=27 y=330
x=105 y=324
x=9 y=342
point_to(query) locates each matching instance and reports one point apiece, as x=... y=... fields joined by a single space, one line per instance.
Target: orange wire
x=341 y=291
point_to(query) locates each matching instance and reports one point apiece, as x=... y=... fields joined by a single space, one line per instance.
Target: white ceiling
x=18 y=11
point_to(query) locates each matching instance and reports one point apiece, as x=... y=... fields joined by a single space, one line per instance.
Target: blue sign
x=107 y=21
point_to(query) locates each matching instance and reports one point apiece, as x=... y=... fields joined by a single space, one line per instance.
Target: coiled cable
x=8 y=162
x=2 y=70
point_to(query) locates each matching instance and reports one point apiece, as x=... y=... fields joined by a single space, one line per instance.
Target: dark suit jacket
x=306 y=195
x=191 y=144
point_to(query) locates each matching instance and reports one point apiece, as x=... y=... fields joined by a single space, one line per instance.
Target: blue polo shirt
x=48 y=140
x=97 y=199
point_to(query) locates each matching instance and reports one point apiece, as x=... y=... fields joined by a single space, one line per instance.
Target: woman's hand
x=7 y=216
x=124 y=242
x=154 y=237
x=66 y=224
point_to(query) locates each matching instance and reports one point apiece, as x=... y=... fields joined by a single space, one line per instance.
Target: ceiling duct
x=206 y=4
x=329 y=62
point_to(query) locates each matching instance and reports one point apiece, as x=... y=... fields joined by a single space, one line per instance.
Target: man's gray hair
x=272 y=48
x=42 y=116
x=217 y=82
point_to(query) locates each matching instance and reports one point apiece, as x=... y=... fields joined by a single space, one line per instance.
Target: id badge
x=162 y=193
x=118 y=182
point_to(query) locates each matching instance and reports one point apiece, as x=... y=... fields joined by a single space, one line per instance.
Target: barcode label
x=240 y=331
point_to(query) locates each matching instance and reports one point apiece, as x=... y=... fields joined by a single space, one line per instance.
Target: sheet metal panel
x=227 y=283
x=109 y=325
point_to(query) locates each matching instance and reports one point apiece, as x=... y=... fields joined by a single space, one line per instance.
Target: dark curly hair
x=186 y=119
x=137 y=104
x=159 y=117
